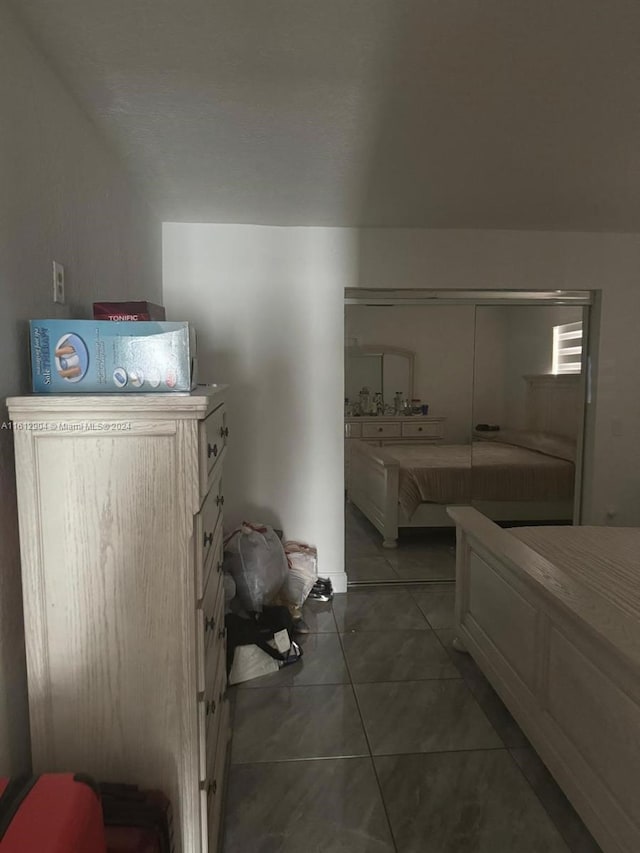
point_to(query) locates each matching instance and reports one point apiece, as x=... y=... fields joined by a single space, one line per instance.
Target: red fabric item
x=60 y=814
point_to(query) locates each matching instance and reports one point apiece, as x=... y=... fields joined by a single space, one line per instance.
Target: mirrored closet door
x=485 y=408
x=528 y=412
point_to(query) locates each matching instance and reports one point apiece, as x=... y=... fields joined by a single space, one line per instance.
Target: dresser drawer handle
x=419 y=429
x=219 y=500
x=212 y=788
x=210 y=707
x=380 y=429
x=208 y=539
x=209 y=624
x=212 y=450
x=222 y=633
x=224 y=432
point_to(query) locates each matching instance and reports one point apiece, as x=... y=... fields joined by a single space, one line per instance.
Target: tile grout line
x=401 y=582
x=366 y=736
x=472 y=693
x=360 y=684
x=388 y=562
x=372 y=757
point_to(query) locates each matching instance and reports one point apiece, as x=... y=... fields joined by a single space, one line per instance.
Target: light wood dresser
x=120 y=502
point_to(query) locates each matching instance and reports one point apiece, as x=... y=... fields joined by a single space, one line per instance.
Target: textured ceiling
x=434 y=113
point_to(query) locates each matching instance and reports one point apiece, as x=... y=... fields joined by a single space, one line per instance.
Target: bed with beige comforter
x=484 y=471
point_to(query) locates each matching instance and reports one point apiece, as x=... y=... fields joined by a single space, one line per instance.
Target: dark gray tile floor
x=387 y=740
x=421 y=555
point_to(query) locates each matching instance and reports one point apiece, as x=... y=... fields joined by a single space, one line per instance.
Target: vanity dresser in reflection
x=120 y=506
x=390 y=429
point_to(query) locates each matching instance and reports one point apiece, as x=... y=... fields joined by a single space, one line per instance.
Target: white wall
x=442 y=340
x=268 y=305
x=64 y=197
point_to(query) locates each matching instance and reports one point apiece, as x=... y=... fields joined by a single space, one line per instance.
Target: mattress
x=482 y=471
x=606 y=560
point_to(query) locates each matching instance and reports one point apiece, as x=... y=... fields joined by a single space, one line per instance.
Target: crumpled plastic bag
x=255 y=558
x=302 y=574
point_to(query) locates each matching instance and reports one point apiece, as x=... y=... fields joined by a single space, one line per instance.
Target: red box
x=129 y=311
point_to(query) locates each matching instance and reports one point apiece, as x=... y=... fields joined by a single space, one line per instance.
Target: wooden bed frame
x=567 y=665
x=553 y=405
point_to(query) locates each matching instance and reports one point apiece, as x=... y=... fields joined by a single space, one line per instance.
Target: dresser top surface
x=194 y=404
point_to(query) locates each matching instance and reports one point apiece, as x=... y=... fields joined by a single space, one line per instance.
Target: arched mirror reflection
x=378 y=380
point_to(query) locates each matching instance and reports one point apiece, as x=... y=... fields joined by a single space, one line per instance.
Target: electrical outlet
x=58 y=283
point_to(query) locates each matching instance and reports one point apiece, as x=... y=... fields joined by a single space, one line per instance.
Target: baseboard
x=338 y=581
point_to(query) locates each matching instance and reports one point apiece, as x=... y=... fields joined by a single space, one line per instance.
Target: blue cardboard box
x=95 y=356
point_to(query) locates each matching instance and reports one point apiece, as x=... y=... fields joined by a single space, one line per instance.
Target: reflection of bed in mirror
x=510 y=475
x=552 y=617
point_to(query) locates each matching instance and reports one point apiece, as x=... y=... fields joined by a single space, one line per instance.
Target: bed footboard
x=373 y=488
x=567 y=665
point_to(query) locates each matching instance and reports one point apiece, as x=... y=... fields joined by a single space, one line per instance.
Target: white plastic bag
x=255 y=558
x=302 y=574
x=229 y=589
x=251 y=662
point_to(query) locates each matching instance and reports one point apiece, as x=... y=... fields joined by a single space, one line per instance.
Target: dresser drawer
x=216 y=705
x=210 y=707
x=208 y=533
x=213 y=435
x=214 y=562
x=416 y=429
x=210 y=625
x=388 y=430
x=215 y=798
